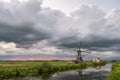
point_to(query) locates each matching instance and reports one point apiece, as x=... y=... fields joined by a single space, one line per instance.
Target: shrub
x=45 y=68
x=115 y=73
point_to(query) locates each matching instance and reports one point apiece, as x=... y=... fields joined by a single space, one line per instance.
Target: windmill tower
x=79 y=58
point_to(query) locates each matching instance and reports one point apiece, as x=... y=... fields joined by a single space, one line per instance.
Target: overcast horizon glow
x=52 y=29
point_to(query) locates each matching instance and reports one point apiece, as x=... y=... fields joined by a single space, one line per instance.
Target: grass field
x=115 y=73
x=9 y=69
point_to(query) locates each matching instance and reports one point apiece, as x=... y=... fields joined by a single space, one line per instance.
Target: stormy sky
x=53 y=29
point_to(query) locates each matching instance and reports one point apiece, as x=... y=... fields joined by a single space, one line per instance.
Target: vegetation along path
x=29 y=68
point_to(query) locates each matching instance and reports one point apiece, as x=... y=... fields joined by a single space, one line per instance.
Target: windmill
x=79 y=58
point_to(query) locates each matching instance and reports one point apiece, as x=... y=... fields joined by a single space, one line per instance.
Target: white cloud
x=44 y=47
x=8 y=48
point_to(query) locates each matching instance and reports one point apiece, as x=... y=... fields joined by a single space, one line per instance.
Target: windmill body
x=79 y=57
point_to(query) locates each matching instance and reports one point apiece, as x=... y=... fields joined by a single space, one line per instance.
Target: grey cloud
x=95 y=30
x=20 y=34
x=28 y=23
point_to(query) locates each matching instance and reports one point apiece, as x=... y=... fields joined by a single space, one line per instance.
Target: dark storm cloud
x=21 y=34
x=74 y=42
x=96 y=43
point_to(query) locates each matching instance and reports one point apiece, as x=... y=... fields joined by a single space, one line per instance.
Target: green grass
x=115 y=73
x=31 y=68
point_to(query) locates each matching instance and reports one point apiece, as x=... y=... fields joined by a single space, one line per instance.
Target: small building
x=96 y=60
